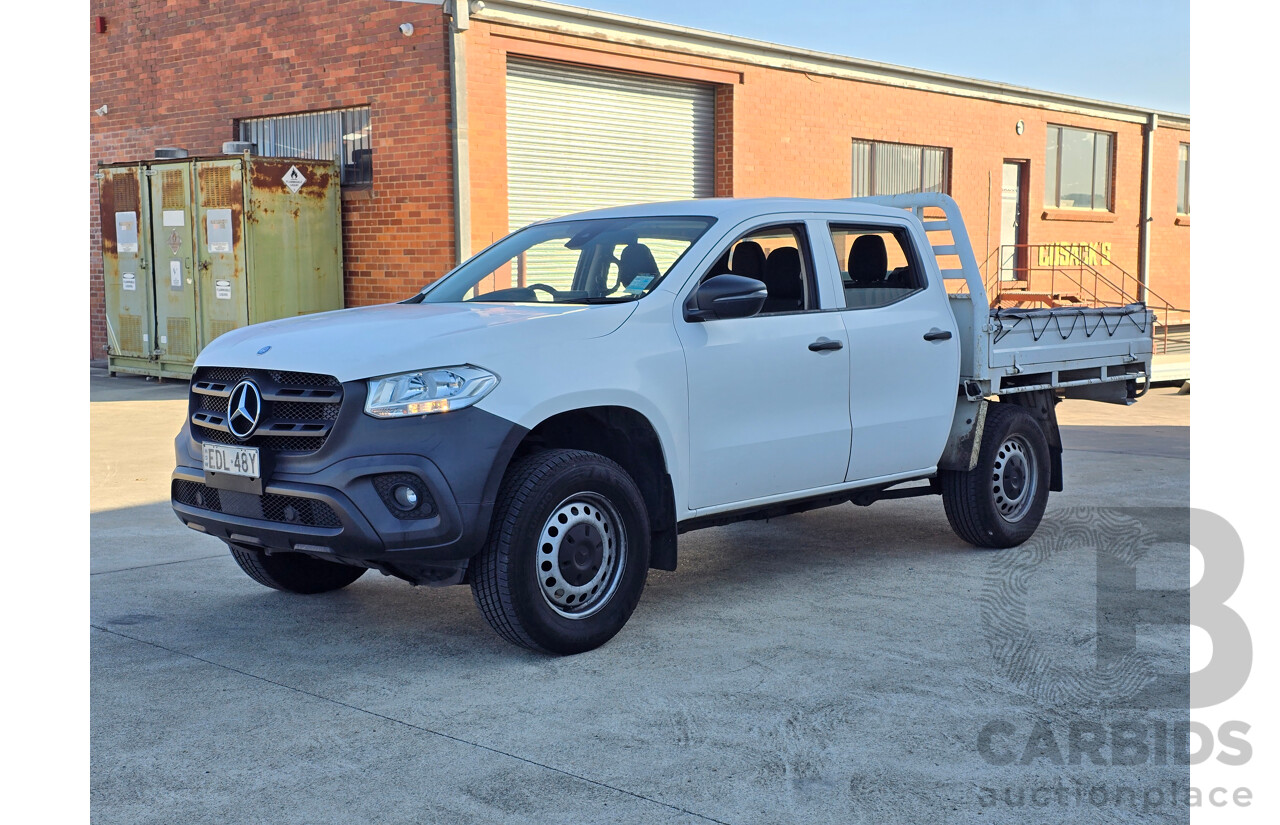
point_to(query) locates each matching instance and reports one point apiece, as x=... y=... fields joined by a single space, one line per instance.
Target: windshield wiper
x=601 y=299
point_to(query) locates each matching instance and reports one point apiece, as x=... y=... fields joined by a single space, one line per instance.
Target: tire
x=567 y=554
x=999 y=503
x=295 y=572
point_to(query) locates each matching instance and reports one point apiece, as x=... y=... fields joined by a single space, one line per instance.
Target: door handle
x=825 y=345
x=936 y=334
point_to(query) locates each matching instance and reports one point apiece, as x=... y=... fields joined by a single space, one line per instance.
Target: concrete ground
x=836 y=666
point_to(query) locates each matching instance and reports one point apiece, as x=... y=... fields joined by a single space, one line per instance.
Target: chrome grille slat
x=297 y=415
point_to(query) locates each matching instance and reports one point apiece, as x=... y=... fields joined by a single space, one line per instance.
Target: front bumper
x=327 y=504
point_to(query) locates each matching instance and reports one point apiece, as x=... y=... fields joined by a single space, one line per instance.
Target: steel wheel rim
x=1014 y=479
x=582 y=550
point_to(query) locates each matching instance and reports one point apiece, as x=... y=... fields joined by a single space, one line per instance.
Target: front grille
x=306 y=512
x=298 y=408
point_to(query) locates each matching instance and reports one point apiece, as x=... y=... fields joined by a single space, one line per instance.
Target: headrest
x=782 y=273
x=748 y=260
x=636 y=259
x=868 y=260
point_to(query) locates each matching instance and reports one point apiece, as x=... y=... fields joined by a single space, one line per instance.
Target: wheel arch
x=626 y=436
x=1041 y=404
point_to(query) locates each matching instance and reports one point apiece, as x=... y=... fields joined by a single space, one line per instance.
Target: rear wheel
x=567 y=555
x=294 y=572
x=999 y=503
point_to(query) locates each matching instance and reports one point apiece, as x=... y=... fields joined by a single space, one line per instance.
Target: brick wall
x=1170 y=233
x=786 y=133
x=179 y=73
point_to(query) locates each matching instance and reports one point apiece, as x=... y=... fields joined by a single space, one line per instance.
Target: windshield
x=605 y=260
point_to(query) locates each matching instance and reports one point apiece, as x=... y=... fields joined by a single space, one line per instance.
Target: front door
x=1013 y=237
x=769 y=394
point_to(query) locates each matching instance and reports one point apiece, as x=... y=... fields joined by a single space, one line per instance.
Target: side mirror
x=726 y=296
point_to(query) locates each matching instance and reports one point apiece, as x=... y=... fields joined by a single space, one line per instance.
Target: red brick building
x=468 y=122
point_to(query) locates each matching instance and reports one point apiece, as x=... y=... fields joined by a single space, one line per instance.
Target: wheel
x=999 y=503
x=567 y=553
x=294 y=572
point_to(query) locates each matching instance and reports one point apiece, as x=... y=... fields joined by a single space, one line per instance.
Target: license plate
x=234 y=461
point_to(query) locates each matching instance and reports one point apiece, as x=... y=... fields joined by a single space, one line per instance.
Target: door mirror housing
x=726 y=296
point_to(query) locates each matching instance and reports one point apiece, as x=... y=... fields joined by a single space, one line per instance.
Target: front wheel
x=567 y=554
x=999 y=503
x=295 y=572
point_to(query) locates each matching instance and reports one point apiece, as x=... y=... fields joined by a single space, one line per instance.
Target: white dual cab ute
x=542 y=422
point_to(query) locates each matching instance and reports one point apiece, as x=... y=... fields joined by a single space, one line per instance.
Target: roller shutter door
x=581 y=138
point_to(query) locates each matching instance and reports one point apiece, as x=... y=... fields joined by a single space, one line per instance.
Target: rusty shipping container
x=196 y=247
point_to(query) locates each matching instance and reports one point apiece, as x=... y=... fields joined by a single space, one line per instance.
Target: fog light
x=405 y=496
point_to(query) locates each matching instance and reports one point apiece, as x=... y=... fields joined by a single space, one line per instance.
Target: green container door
x=125 y=265
x=294 y=225
x=173 y=245
x=221 y=256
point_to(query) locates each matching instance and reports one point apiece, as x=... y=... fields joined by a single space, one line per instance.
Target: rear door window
x=876 y=267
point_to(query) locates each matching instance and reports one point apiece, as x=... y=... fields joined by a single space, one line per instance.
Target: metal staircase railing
x=1054 y=275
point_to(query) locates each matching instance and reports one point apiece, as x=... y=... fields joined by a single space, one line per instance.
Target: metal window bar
x=341 y=135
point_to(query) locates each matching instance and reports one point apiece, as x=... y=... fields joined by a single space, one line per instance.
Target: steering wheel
x=555 y=296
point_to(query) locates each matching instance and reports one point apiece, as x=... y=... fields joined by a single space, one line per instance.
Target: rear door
x=768 y=414
x=904 y=349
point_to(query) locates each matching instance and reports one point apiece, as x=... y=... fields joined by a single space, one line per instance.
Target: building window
x=1078 y=168
x=340 y=135
x=899 y=168
x=1184 y=179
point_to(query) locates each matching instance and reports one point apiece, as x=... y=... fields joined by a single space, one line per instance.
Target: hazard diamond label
x=294 y=179
x=175 y=241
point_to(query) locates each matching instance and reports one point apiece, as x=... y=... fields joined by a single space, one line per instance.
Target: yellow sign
x=1074 y=254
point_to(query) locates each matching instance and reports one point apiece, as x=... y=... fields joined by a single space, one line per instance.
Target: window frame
x=426 y=292
x=872 y=189
x=1109 y=200
x=809 y=275
x=902 y=234
x=1183 y=197
x=241 y=126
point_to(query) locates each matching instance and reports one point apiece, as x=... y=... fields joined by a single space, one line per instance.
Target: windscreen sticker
x=222 y=289
x=127 y=232
x=218 y=229
x=175 y=274
x=127 y=282
x=639 y=283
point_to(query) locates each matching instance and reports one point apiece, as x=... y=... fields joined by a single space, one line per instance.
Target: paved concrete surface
x=835 y=666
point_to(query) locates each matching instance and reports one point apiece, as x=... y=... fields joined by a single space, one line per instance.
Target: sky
x=1125 y=51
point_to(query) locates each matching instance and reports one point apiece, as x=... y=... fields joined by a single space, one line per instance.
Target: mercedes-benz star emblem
x=244 y=407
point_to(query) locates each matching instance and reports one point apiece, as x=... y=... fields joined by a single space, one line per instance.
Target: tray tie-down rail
x=1108 y=318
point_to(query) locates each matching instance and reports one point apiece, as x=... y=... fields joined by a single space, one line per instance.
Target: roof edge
x=601 y=25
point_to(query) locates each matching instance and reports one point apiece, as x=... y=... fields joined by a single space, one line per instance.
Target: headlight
x=428 y=391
